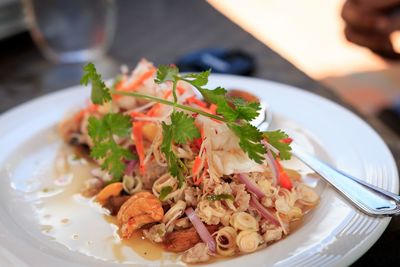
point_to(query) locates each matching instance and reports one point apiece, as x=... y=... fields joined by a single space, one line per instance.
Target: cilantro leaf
x=166 y=73
x=175 y=165
x=217 y=97
x=197 y=79
x=100 y=93
x=220 y=197
x=181 y=130
x=249 y=140
x=246 y=110
x=275 y=138
x=184 y=128
x=165 y=192
x=102 y=132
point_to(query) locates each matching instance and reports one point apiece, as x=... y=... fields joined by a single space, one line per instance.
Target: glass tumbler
x=71 y=31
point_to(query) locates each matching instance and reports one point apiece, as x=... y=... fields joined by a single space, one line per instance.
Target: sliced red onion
x=250 y=185
x=263 y=211
x=201 y=230
x=272 y=165
x=130 y=166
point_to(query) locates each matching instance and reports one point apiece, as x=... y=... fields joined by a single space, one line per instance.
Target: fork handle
x=370 y=199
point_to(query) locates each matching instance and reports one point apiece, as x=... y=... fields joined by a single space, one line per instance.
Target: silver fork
x=368 y=198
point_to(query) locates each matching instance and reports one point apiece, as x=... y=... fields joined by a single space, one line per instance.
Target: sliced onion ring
x=201 y=230
x=263 y=211
x=271 y=162
x=250 y=185
x=272 y=165
x=130 y=166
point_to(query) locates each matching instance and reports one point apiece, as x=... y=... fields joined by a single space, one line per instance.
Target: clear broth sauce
x=80 y=223
x=83 y=225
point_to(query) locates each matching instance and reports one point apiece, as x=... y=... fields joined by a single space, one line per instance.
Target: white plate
x=334 y=234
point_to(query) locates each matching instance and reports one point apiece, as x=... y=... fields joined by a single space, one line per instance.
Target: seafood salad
x=183 y=164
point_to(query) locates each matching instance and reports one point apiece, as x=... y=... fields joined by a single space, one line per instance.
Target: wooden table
x=162 y=31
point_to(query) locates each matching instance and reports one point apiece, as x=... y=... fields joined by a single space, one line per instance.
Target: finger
x=369 y=39
x=357 y=18
x=376 y=4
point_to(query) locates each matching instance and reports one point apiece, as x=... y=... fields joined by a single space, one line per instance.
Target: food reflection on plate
x=171 y=175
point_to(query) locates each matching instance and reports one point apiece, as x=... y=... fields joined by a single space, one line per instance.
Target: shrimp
x=140 y=209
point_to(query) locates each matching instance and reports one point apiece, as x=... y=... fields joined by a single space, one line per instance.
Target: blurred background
x=43 y=44
x=346 y=51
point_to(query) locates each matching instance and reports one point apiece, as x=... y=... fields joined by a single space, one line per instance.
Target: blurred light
x=309 y=33
x=395 y=38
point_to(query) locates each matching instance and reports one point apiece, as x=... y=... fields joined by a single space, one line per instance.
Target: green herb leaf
x=165 y=192
x=166 y=73
x=246 y=110
x=100 y=93
x=102 y=132
x=217 y=97
x=220 y=197
x=197 y=79
x=181 y=130
x=174 y=164
x=249 y=140
x=183 y=127
x=274 y=139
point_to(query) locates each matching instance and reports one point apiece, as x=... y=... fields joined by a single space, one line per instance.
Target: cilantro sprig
x=275 y=138
x=180 y=131
x=100 y=93
x=235 y=112
x=103 y=132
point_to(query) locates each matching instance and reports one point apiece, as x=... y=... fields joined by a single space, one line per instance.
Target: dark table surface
x=162 y=31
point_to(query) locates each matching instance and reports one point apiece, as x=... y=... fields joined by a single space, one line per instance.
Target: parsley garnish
x=164 y=192
x=274 y=139
x=102 y=132
x=220 y=197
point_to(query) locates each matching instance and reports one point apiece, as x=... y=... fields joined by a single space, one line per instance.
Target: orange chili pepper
x=283 y=178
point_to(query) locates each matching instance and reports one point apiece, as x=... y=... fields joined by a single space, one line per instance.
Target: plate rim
x=346 y=259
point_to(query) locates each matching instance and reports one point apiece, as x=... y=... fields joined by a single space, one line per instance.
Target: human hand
x=369 y=23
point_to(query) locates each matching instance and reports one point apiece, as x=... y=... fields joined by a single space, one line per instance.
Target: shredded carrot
x=137 y=132
x=167 y=94
x=283 y=178
x=134 y=85
x=137 y=114
x=199 y=180
x=90 y=109
x=196 y=101
x=119 y=86
x=181 y=90
x=196 y=166
x=213 y=109
x=154 y=110
x=79 y=116
x=121 y=83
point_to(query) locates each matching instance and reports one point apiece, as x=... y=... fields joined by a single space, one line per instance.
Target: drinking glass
x=71 y=31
